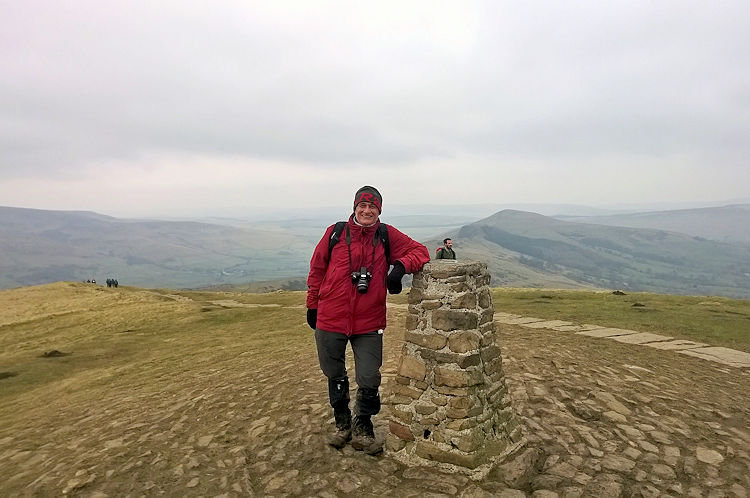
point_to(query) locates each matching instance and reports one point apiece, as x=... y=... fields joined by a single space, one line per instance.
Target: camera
x=361 y=279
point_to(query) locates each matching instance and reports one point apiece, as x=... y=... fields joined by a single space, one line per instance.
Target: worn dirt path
x=603 y=418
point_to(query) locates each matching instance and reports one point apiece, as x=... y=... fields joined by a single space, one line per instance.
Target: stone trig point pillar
x=450 y=405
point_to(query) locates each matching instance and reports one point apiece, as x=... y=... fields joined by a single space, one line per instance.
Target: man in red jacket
x=346 y=303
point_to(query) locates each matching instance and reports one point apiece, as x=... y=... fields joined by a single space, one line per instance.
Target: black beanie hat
x=369 y=194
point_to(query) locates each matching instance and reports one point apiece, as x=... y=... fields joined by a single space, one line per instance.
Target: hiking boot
x=339 y=438
x=363 y=438
x=343 y=434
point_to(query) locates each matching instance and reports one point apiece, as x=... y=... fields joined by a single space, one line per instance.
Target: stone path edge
x=721 y=355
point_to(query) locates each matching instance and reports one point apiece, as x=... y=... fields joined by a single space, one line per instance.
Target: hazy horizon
x=475 y=210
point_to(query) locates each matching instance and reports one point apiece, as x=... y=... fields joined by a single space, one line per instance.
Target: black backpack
x=381 y=233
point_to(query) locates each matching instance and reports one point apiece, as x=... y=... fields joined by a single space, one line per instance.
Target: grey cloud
x=100 y=81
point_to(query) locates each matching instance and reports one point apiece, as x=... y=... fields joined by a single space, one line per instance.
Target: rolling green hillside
x=530 y=246
x=39 y=246
x=726 y=224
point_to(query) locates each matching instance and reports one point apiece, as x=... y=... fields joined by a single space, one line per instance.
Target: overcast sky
x=176 y=108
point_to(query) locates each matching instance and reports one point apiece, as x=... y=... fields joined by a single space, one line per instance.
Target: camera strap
x=348 y=239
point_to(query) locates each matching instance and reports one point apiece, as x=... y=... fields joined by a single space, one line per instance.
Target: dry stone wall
x=450 y=404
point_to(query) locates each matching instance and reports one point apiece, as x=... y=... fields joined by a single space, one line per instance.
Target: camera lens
x=363 y=280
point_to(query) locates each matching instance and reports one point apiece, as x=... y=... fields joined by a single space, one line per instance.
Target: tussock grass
x=718 y=321
x=116 y=339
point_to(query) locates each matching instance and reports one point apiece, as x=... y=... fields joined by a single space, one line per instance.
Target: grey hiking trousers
x=368 y=358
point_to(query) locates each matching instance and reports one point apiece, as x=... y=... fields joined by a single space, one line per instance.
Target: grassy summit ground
x=718 y=321
x=136 y=391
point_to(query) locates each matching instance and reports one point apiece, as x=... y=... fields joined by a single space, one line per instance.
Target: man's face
x=367 y=213
x=449 y=243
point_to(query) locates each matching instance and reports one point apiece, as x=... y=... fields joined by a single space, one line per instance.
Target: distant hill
x=522 y=249
x=38 y=246
x=282 y=284
x=726 y=224
x=527 y=249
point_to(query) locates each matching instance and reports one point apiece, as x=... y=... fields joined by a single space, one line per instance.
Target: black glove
x=394 y=278
x=312 y=317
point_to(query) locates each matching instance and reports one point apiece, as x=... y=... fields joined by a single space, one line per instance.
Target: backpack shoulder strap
x=383 y=235
x=335 y=236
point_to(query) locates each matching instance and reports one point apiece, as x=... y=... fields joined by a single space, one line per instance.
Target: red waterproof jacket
x=331 y=291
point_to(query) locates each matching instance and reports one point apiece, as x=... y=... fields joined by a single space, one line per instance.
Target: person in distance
x=446 y=252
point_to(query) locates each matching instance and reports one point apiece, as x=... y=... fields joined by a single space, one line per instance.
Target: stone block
x=410 y=391
x=466 y=361
x=415 y=296
x=487 y=328
x=452 y=391
x=464 y=341
x=515 y=431
x=494 y=367
x=461 y=424
x=402 y=415
x=486 y=317
x=476 y=269
x=419 y=281
x=488 y=339
x=484 y=418
x=430 y=451
x=461 y=402
x=431 y=305
x=455 y=280
x=497 y=397
x=431 y=340
x=424 y=409
x=495 y=447
x=495 y=389
x=495 y=377
x=401 y=431
x=460 y=268
x=485 y=298
x=469 y=440
x=397 y=400
x=462 y=360
x=611 y=402
x=440 y=400
x=460 y=287
x=454 y=320
x=483 y=280
x=467 y=301
x=412 y=322
x=617 y=463
x=490 y=353
x=502 y=417
x=405 y=381
x=457 y=378
x=412 y=368
x=443 y=271
x=394 y=443
x=463 y=412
